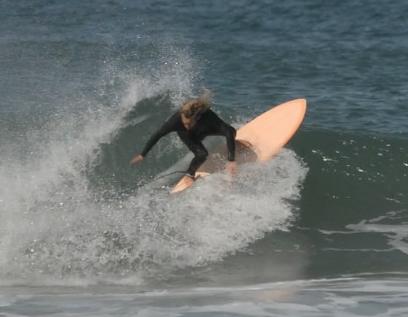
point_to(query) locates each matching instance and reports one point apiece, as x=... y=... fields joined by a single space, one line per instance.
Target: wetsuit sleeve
x=166 y=128
x=230 y=134
x=228 y=131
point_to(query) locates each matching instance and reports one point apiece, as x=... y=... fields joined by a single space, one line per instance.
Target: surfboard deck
x=258 y=140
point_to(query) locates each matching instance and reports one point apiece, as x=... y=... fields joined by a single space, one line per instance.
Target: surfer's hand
x=231 y=167
x=136 y=159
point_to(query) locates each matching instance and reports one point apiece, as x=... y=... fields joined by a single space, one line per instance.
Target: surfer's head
x=192 y=109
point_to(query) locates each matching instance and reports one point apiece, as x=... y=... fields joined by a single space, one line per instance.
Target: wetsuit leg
x=200 y=152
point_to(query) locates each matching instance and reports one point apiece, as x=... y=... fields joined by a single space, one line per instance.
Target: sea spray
x=45 y=193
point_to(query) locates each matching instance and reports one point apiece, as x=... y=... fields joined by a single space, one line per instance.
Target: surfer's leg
x=200 y=155
x=200 y=152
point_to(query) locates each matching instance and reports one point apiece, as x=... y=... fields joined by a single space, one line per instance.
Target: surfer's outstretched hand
x=136 y=159
x=231 y=167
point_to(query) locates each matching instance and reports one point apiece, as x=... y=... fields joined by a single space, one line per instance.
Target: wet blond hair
x=195 y=107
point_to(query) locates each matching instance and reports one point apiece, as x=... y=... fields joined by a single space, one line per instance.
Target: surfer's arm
x=229 y=133
x=166 y=128
x=224 y=129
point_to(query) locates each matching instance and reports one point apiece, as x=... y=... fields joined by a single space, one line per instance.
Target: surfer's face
x=188 y=122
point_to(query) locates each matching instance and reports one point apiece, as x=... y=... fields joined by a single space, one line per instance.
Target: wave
x=80 y=215
x=65 y=217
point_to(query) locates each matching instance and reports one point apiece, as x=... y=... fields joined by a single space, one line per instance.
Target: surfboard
x=258 y=140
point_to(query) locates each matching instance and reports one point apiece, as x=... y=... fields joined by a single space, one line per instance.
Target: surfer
x=193 y=122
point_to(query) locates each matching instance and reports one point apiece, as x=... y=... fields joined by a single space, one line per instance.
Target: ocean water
x=321 y=230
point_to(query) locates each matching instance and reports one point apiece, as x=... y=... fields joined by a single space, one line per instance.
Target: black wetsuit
x=208 y=124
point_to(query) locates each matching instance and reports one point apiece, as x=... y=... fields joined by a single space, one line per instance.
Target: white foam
x=152 y=232
x=396 y=234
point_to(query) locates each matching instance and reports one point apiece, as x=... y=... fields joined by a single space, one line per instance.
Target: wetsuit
x=208 y=124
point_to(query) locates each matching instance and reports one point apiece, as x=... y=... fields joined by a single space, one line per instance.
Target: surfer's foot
x=189 y=179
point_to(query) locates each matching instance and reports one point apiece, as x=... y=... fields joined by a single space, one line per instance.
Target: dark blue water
x=320 y=230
